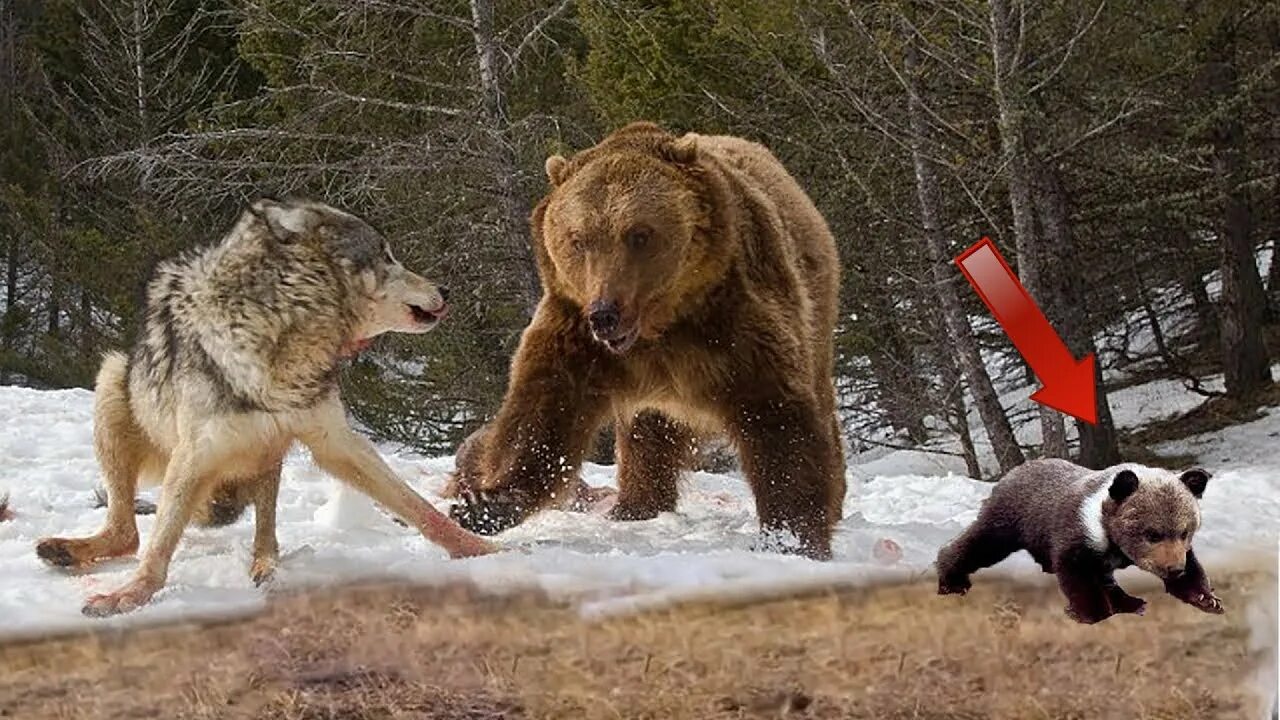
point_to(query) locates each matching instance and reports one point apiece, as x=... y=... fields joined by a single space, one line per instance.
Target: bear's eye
x=1152 y=536
x=577 y=243
x=638 y=237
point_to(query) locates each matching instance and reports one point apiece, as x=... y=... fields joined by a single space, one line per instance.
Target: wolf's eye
x=638 y=237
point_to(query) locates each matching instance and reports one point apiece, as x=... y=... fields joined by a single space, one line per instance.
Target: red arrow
x=1068 y=384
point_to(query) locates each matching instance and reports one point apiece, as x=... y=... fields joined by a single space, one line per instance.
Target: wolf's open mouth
x=424 y=316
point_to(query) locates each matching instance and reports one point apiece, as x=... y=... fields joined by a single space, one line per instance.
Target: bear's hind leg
x=652 y=449
x=980 y=546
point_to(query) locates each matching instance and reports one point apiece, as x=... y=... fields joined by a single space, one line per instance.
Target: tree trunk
x=1099 y=446
x=929 y=193
x=1243 y=302
x=900 y=388
x=953 y=397
x=1273 y=276
x=1011 y=107
x=512 y=215
x=1207 y=332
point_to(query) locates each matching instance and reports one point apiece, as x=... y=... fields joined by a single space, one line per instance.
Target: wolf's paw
x=127 y=599
x=262 y=571
x=57 y=552
x=489 y=512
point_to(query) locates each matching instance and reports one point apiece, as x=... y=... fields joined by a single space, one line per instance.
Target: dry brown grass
x=1005 y=651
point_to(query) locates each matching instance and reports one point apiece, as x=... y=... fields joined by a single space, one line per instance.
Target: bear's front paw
x=488 y=513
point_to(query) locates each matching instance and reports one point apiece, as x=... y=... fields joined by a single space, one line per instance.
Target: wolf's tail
x=225 y=504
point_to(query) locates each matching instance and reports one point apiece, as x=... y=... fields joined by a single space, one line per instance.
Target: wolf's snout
x=604 y=318
x=444 y=293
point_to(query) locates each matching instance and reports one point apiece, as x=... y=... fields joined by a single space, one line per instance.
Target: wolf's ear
x=1196 y=480
x=1123 y=485
x=682 y=150
x=284 y=220
x=557 y=169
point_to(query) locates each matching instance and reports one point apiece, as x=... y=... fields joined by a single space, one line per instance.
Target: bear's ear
x=681 y=151
x=283 y=219
x=1123 y=485
x=1196 y=480
x=557 y=169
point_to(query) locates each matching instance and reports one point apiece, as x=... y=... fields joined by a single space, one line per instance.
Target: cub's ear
x=1123 y=485
x=557 y=169
x=1196 y=480
x=682 y=150
x=283 y=219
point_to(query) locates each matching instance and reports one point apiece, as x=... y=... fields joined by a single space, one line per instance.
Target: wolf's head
x=391 y=298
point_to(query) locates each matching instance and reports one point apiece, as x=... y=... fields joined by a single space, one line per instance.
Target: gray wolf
x=238 y=358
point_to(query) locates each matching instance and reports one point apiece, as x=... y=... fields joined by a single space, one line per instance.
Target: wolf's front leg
x=188 y=470
x=1193 y=588
x=350 y=457
x=558 y=397
x=266 y=550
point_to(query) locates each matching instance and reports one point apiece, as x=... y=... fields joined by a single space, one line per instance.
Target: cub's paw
x=1123 y=602
x=1205 y=602
x=954 y=586
x=489 y=513
x=1086 y=618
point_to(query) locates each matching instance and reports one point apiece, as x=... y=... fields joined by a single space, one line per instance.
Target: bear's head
x=623 y=233
x=1154 y=515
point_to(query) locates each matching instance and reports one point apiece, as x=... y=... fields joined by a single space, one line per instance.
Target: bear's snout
x=604 y=318
x=607 y=326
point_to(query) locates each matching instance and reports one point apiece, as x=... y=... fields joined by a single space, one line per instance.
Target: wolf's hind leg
x=121 y=447
x=186 y=476
x=266 y=550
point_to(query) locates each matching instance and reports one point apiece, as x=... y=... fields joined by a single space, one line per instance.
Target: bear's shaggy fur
x=689 y=286
x=1082 y=525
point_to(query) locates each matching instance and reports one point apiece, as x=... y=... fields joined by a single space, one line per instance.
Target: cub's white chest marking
x=1091 y=517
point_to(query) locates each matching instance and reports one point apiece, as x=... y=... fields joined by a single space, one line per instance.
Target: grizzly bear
x=689 y=286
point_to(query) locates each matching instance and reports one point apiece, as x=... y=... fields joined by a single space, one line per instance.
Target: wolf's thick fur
x=238 y=357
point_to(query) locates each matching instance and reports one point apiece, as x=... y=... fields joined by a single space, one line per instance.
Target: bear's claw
x=486 y=513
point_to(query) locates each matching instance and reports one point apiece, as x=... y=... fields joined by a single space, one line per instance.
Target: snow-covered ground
x=329 y=534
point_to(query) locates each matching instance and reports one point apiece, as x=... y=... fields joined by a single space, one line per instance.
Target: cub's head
x=1153 y=515
x=387 y=297
x=622 y=233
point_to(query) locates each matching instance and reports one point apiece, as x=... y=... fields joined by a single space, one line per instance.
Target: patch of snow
x=901 y=507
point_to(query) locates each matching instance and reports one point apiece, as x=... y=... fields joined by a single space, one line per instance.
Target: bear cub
x=1082 y=525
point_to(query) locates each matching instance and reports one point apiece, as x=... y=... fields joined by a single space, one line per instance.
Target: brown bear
x=689 y=286
x=1082 y=525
